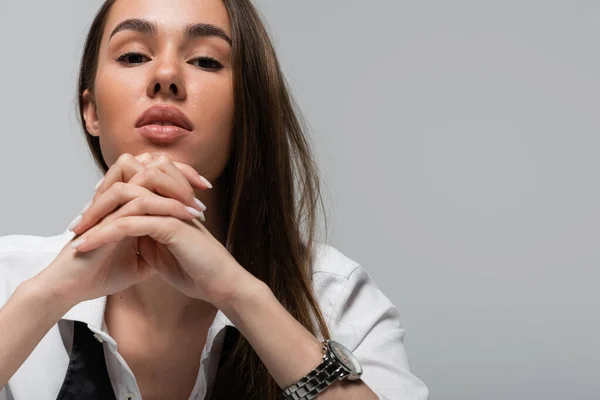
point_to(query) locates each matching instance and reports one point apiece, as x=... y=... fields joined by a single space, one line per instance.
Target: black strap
x=87 y=376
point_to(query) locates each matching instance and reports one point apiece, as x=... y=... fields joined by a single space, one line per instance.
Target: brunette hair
x=271 y=185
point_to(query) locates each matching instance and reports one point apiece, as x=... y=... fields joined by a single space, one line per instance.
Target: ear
x=90 y=113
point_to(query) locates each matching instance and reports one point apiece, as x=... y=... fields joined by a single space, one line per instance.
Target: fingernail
x=86 y=207
x=200 y=204
x=77 y=243
x=99 y=183
x=75 y=223
x=193 y=211
x=203 y=179
x=202 y=218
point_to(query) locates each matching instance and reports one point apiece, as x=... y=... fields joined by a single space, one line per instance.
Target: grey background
x=458 y=145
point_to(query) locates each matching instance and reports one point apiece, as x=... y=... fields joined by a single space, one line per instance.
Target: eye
x=208 y=63
x=131 y=58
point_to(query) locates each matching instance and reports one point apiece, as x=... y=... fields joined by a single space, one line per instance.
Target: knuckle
x=163 y=159
x=144 y=156
x=142 y=204
x=119 y=187
x=122 y=224
x=143 y=176
x=149 y=201
x=149 y=173
x=124 y=158
x=154 y=172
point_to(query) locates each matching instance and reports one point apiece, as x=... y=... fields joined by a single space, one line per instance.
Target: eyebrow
x=190 y=31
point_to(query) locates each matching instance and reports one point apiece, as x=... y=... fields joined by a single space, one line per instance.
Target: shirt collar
x=91 y=312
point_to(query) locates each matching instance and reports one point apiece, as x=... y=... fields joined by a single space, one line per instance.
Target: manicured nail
x=75 y=223
x=200 y=204
x=203 y=179
x=86 y=207
x=77 y=243
x=99 y=183
x=193 y=211
x=202 y=218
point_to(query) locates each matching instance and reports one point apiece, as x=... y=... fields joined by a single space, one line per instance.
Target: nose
x=167 y=81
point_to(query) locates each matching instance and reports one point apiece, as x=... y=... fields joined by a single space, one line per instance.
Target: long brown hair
x=271 y=184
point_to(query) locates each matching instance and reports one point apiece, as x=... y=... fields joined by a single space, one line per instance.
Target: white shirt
x=358 y=314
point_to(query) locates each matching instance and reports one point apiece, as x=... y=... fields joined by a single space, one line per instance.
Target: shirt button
x=130 y=396
x=98 y=338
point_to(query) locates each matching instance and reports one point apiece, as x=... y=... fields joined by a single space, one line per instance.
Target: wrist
x=245 y=291
x=48 y=293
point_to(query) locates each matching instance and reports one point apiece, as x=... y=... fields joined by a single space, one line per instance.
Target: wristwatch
x=338 y=363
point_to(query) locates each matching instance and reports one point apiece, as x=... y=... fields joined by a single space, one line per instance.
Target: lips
x=164 y=115
x=162 y=134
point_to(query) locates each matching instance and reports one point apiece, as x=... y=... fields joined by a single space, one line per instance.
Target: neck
x=157 y=305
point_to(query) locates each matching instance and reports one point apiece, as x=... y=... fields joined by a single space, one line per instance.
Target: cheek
x=212 y=110
x=211 y=101
x=117 y=95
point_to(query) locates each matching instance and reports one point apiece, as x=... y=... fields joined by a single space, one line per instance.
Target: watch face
x=346 y=357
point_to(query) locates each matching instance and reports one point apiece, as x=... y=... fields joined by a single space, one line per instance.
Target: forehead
x=169 y=15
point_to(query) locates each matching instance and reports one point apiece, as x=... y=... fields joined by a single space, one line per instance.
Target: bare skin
x=165 y=362
x=160 y=331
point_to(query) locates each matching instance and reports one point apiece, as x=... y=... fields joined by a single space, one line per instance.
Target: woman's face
x=170 y=67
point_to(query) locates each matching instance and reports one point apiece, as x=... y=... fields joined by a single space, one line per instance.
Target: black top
x=87 y=377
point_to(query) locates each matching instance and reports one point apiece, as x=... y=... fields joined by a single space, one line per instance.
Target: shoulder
x=34 y=244
x=331 y=261
x=335 y=278
x=349 y=297
x=346 y=289
x=364 y=319
x=339 y=280
x=24 y=256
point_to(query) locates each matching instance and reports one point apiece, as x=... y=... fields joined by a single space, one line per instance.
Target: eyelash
x=216 y=64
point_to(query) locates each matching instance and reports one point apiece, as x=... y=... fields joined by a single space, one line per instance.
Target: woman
x=192 y=255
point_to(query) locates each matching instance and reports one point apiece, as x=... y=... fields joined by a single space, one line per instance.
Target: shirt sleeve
x=5 y=393
x=366 y=322
x=8 y=282
x=4 y=294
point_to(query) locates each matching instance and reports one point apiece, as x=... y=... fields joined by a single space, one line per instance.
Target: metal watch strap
x=316 y=380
